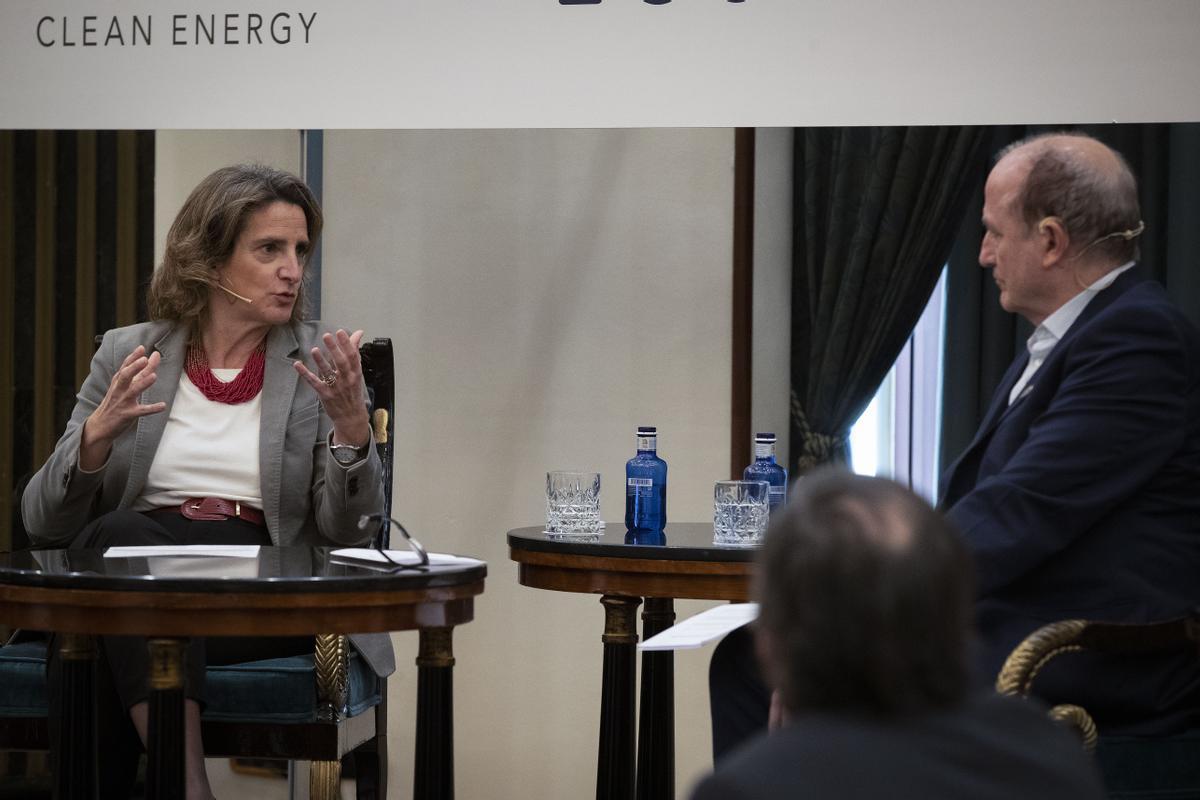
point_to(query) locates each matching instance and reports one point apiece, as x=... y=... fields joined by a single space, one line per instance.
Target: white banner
x=594 y=63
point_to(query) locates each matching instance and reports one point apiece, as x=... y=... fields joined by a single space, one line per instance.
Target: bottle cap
x=647 y=430
x=766 y=438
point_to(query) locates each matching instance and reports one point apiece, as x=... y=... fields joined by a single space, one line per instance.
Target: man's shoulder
x=994 y=745
x=769 y=765
x=1144 y=297
x=1143 y=312
x=1011 y=715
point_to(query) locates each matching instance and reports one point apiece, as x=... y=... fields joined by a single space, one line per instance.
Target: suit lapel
x=150 y=428
x=949 y=491
x=279 y=389
x=1000 y=404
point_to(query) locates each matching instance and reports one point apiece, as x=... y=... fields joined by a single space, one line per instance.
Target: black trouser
x=123 y=670
x=738 y=697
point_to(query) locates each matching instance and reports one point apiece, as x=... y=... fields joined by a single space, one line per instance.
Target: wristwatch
x=347 y=454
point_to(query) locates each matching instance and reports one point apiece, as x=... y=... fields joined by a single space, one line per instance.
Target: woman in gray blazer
x=225 y=420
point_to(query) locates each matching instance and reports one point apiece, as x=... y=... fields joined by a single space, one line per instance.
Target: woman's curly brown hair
x=205 y=231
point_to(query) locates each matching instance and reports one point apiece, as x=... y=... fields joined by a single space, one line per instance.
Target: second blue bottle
x=764 y=468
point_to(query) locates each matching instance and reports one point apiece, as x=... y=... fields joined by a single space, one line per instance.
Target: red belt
x=216 y=508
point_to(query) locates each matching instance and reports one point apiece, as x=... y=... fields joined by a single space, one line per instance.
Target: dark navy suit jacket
x=1082 y=500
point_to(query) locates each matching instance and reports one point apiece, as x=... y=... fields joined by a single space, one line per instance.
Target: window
x=897 y=435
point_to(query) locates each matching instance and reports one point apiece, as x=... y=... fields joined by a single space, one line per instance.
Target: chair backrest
x=378 y=366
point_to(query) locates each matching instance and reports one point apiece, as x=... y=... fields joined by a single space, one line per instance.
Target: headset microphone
x=233 y=293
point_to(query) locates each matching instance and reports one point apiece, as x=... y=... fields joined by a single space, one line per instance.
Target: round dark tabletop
x=279 y=570
x=681 y=541
x=685 y=565
x=283 y=591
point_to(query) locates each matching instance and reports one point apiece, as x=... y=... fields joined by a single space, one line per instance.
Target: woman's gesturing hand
x=120 y=407
x=338 y=384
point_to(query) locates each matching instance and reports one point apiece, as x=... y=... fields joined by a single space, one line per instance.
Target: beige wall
x=183 y=158
x=546 y=291
x=771 y=360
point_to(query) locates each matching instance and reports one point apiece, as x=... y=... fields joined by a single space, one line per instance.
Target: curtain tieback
x=815 y=448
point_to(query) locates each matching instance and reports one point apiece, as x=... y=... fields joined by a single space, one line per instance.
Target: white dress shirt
x=1055 y=326
x=208 y=449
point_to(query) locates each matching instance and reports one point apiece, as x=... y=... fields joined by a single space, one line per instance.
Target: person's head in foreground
x=865 y=596
x=866 y=607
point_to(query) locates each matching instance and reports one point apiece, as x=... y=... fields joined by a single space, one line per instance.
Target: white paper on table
x=223 y=550
x=186 y=567
x=402 y=557
x=705 y=627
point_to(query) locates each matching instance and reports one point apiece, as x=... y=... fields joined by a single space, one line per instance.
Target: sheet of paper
x=402 y=557
x=705 y=627
x=188 y=567
x=224 y=550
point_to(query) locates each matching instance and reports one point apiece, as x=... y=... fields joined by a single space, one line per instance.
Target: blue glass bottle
x=646 y=485
x=646 y=538
x=764 y=468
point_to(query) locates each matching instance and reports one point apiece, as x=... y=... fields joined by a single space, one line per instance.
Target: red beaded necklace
x=245 y=386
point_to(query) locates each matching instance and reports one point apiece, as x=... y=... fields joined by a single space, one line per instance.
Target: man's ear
x=1054 y=239
x=767 y=652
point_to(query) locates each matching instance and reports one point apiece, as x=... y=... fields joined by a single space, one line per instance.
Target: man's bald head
x=1085 y=184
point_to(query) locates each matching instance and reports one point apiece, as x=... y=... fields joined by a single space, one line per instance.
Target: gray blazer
x=308 y=498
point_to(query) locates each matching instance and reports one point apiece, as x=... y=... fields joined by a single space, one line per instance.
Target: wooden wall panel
x=76 y=239
x=7 y=333
x=43 y=299
x=85 y=251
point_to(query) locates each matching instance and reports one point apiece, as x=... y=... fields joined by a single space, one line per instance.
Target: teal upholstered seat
x=273 y=690
x=281 y=690
x=23 y=680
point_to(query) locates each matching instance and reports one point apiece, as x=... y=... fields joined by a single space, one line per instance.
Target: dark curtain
x=875 y=212
x=982 y=339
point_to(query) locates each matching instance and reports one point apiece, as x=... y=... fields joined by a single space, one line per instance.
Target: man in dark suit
x=1080 y=494
x=866 y=604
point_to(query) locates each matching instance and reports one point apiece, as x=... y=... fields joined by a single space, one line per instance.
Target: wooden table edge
x=679 y=586
x=616 y=564
x=95 y=611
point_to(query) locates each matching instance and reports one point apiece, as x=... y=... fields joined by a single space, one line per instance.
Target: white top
x=208 y=449
x=1055 y=326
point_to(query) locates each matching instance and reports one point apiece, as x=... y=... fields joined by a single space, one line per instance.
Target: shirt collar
x=1057 y=324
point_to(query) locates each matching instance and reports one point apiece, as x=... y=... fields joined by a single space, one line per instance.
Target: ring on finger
x=329 y=378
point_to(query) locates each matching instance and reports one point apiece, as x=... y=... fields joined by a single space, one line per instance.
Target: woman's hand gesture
x=120 y=407
x=338 y=384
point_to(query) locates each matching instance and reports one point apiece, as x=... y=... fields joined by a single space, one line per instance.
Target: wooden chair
x=320 y=708
x=1132 y=766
